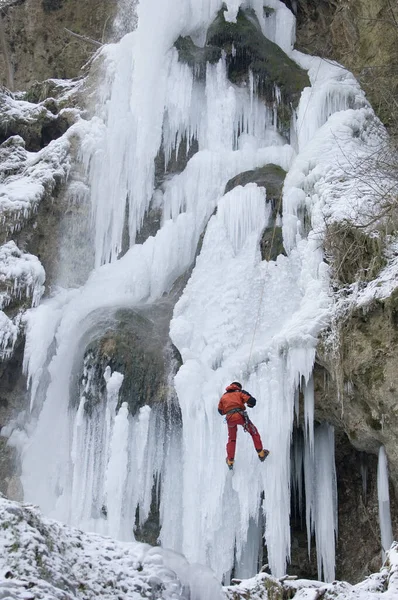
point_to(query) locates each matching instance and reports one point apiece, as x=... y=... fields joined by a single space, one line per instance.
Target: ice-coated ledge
x=9 y=329
x=21 y=275
x=27 y=177
x=22 y=278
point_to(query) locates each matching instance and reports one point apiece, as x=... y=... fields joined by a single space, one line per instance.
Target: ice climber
x=233 y=405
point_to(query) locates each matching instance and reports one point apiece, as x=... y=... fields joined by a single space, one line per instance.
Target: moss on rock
x=353 y=254
x=37 y=43
x=195 y=56
x=247 y=48
x=51 y=5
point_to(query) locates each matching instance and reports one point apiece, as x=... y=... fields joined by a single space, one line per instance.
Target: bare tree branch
x=84 y=38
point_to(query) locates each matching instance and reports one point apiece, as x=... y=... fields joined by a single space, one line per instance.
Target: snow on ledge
x=378 y=586
x=21 y=275
x=33 y=174
x=43 y=559
x=9 y=329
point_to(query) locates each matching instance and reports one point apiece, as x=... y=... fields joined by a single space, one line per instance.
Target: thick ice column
x=116 y=476
x=321 y=497
x=249 y=560
x=325 y=501
x=383 y=495
x=309 y=405
x=297 y=460
x=278 y=24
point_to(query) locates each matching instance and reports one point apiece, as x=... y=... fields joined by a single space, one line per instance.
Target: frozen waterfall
x=239 y=317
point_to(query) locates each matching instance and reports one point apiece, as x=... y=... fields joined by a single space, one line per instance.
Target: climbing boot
x=262 y=454
x=230 y=463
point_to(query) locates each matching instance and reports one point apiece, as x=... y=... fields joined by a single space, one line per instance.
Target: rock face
x=365 y=370
x=362 y=36
x=355 y=378
x=13 y=400
x=35 y=44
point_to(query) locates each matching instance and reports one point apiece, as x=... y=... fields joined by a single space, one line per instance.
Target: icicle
x=364 y=475
x=298 y=470
x=116 y=476
x=309 y=484
x=325 y=501
x=309 y=402
x=383 y=495
x=243 y=211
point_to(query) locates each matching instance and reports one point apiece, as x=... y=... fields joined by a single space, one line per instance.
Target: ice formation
x=239 y=317
x=21 y=274
x=384 y=502
x=21 y=277
x=33 y=175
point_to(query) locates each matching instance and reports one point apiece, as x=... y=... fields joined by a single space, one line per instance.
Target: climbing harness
x=241 y=412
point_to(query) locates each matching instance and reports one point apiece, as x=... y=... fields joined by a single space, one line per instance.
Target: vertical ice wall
x=240 y=317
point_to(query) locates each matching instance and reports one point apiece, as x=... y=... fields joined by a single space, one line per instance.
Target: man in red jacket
x=233 y=405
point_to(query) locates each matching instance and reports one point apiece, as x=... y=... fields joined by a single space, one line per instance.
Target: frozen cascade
x=313 y=461
x=325 y=501
x=239 y=317
x=383 y=495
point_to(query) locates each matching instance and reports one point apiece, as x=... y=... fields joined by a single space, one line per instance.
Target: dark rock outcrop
x=13 y=401
x=247 y=50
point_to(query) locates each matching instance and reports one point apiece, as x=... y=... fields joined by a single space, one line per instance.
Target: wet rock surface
x=136 y=344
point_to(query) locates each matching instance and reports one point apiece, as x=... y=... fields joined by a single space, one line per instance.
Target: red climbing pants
x=233 y=421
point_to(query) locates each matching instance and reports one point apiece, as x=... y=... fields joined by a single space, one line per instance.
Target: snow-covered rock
x=21 y=277
x=21 y=274
x=43 y=559
x=40 y=558
x=27 y=176
x=378 y=586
